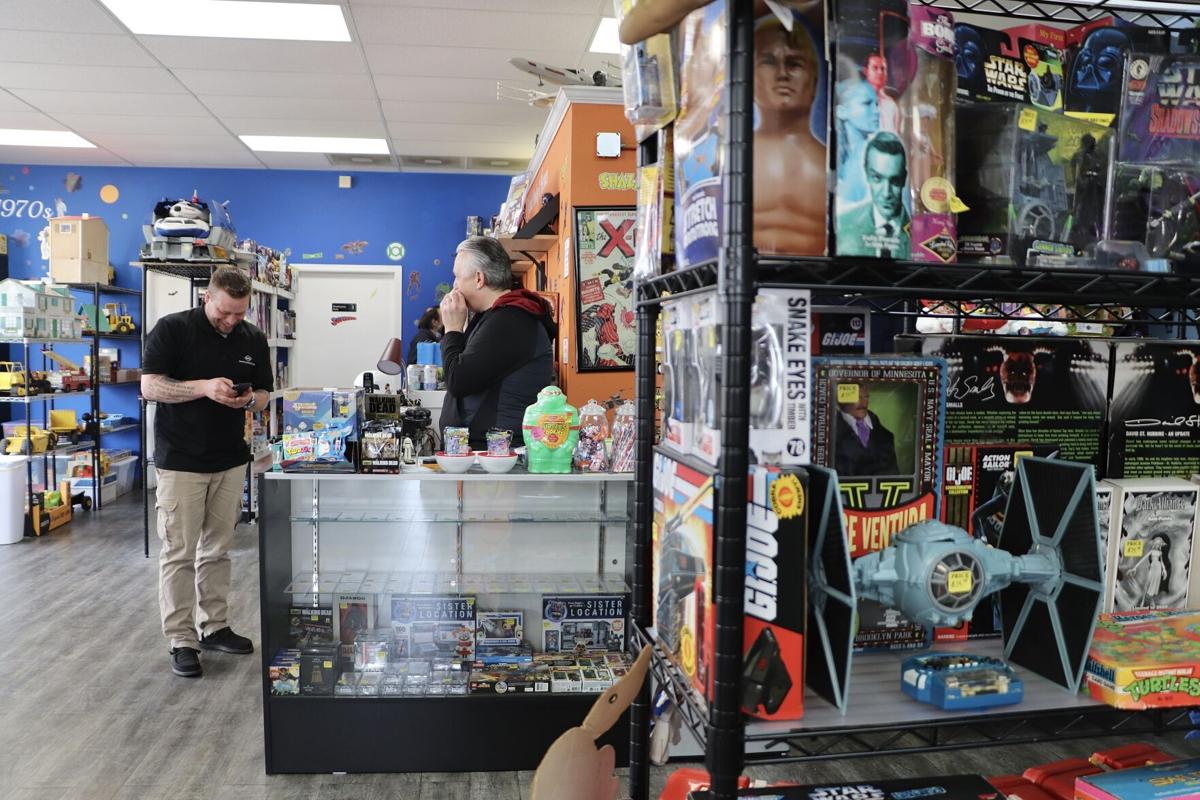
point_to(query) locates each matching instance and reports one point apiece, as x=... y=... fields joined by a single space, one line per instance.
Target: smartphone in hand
x=240 y=389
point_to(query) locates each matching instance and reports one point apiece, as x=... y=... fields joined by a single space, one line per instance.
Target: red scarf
x=523 y=299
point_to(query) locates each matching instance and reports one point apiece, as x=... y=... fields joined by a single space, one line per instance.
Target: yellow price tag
x=957 y=205
x=1134 y=548
x=1028 y=120
x=847 y=393
x=960 y=581
x=678 y=340
x=712 y=337
x=328 y=664
x=314 y=617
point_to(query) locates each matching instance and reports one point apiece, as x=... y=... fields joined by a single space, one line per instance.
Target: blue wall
x=301 y=211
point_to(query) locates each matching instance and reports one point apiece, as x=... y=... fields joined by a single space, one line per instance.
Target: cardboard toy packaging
x=680 y=382
x=841 y=331
x=871 y=162
x=945 y=787
x=775 y=609
x=78 y=250
x=1033 y=182
x=878 y=423
x=575 y=623
x=975 y=490
x=789 y=133
x=1172 y=780
x=1145 y=659
x=1023 y=389
x=1094 y=65
x=1151 y=544
x=1021 y=64
x=320 y=428
x=1155 y=401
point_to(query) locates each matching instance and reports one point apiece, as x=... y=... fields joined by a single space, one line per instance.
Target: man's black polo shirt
x=203 y=435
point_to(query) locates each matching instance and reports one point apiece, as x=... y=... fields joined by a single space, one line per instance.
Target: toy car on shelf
x=956 y=681
x=26 y=441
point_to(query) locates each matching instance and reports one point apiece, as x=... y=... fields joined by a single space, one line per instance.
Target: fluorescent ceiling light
x=606 y=39
x=29 y=138
x=316 y=144
x=233 y=19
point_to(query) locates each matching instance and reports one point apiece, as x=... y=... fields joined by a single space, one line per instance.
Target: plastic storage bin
x=124 y=469
x=12 y=500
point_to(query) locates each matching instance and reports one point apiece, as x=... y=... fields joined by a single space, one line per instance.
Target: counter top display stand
x=1167 y=302
x=368 y=548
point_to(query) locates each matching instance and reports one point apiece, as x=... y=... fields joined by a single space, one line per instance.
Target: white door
x=344 y=318
x=165 y=294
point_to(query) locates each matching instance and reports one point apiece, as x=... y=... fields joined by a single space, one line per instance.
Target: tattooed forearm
x=168 y=390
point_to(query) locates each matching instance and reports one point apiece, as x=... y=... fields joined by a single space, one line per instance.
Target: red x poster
x=605 y=240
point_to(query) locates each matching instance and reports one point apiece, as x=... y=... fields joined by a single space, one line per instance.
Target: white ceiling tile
x=127 y=143
x=529 y=6
x=246 y=83
x=54 y=155
x=10 y=102
x=408 y=131
x=348 y=108
x=155 y=80
x=182 y=52
x=481 y=149
x=74 y=16
x=458 y=28
x=132 y=103
x=86 y=124
x=314 y=161
x=31 y=120
x=462 y=62
x=187 y=158
x=82 y=49
x=255 y=126
x=462 y=90
x=498 y=112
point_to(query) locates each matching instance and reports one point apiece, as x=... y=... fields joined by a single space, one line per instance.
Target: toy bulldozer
x=119 y=319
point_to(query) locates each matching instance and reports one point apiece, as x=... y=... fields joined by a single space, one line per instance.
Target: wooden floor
x=89 y=709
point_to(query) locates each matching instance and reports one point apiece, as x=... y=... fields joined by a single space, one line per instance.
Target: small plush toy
x=551 y=428
x=573 y=768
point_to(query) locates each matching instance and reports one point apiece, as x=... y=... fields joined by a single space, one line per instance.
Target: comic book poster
x=1160 y=114
x=1150 y=561
x=605 y=239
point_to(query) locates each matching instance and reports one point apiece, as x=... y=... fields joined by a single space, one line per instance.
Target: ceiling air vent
x=432 y=163
x=356 y=161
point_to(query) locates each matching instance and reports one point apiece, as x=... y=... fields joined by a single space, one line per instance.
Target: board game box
x=945 y=787
x=1172 y=780
x=572 y=623
x=1048 y=391
x=1151 y=544
x=878 y=423
x=1146 y=659
x=1152 y=431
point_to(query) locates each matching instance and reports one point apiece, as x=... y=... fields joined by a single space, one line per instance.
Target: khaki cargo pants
x=197 y=512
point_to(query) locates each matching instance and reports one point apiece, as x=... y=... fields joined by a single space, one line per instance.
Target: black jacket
x=495 y=369
x=850 y=458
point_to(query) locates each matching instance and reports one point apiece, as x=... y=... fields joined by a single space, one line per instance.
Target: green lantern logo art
x=395 y=251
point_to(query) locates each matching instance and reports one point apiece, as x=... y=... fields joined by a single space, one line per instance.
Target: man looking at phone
x=205 y=368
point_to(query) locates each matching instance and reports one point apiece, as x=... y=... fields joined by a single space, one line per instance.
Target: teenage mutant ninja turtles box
x=1146 y=659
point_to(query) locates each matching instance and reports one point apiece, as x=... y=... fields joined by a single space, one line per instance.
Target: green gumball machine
x=551 y=428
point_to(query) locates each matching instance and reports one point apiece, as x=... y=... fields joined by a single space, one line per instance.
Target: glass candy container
x=590 y=455
x=624 y=433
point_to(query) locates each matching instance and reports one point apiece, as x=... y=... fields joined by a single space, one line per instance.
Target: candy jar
x=551 y=428
x=593 y=430
x=624 y=435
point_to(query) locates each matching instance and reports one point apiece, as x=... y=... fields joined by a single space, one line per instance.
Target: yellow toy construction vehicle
x=119 y=319
x=12 y=378
x=26 y=441
x=65 y=425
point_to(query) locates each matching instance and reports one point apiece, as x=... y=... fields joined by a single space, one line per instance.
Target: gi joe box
x=1044 y=391
x=1145 y=659
x=977 y=480
x=841 y=331
x=572 y=623
x=945 y=787
x=878 y=423
x=1022 y=64
x=1171 y=780
x=1152 y=421
x=775 y=609
x=1151 y=544
x=790 y=127
x=435 y=625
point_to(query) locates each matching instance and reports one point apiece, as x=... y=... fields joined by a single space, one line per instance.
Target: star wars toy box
x=1094 y=65
x=575 y=623
x=1171 y=780
x=775 y=595
x=1022 y=64
x=320 y=430
x=1033 y=182
x=977 y=479
x=945 y=787
x=1145 y=659
x=1044 y=391
x=878 y=423
x=780 y=331
x=872 y=208
x=789 y=133
x=1153 y=419
x=1151 y=544
x=430 y=626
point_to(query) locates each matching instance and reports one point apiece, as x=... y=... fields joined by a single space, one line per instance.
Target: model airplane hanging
x=519 y=93
x=564 y=76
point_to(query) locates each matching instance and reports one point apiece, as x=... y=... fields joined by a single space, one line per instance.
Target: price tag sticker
x=328 y=664
x=1134 y=548
x=712 y=336
x=847 y=393
x=960 y=581
x=677 y=341
x=1027 y=121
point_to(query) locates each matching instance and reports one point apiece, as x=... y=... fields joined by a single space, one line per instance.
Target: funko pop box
x=1146 y=659
x=776 y=590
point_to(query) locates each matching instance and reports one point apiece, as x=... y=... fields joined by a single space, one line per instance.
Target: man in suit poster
x=862 y=444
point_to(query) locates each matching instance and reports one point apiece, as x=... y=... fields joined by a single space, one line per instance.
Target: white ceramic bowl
x=455 y=465
x=497 y=464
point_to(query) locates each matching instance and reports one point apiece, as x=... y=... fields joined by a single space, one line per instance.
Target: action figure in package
x=1094 y=65
x=1150 y=552
x=1021 y=64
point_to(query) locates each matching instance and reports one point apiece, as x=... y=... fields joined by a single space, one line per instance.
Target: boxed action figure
x=841 y=331
x=1171 y=780
x=318 y=670
x=779 y=409
x=499 y=629
x=789 y=133
x=435 y=625
x=1022 y=64
x=1150 y=546
x=284 y=672
x=1145 y=659
x=1022 y=389
x=945 y=787
x=680 y=382
x=310 y=625
x=583 y=622
x=878 y=423
x=775 y=609
x=319 y=429
x=1094 y=65
x=355 y=615
x=1155 y=404
x=379 y=448
x=1033 y=181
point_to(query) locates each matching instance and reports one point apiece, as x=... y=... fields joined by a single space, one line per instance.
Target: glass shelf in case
x=412 y=583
